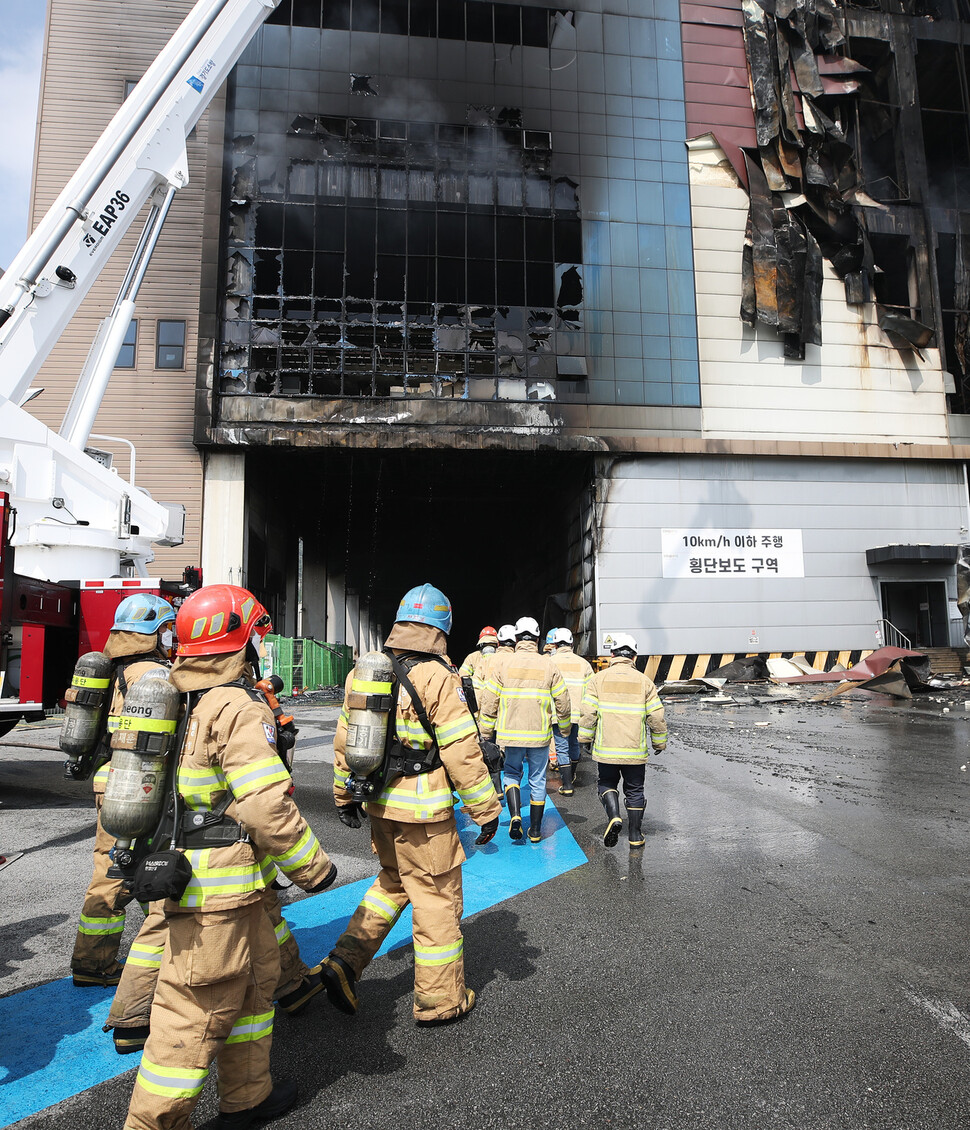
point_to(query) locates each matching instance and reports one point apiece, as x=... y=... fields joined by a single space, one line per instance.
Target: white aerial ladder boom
x=75 y=517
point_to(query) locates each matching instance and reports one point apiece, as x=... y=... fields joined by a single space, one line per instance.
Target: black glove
x=487 y=831
x=325 y=882
x=351 y=814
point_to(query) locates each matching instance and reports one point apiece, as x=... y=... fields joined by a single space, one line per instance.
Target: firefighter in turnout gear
x=477 y=661
x=620 y=708
x=412 y=818
x=128 y=1020
x=576 y=673
x=138 y=646
x=520 y=699
x=221 y=962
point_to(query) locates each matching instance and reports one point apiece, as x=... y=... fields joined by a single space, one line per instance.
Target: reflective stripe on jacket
x=576 y=673
x=522 y=697
x=428 y=797
x=620 y=708
x=230 y=745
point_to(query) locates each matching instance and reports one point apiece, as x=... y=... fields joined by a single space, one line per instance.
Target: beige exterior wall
x=92 y=50
x=855 y=387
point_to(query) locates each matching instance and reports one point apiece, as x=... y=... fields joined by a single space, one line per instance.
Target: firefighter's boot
x=566 y=773
x=277 y=1102
x=611 y=802
x=513 y=798
x=634 y=827
x=129 y=1040
x=574 y=766
x=535 y=821
x=296 y=1001
x=341 y=984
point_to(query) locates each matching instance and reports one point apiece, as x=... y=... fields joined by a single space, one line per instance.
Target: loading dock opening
x=501 y=533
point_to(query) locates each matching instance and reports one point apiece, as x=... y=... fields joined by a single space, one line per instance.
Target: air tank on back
x=368 y=707
x=85 y=700
x=135 y=794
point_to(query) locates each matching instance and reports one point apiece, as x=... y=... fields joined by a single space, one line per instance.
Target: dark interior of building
x=497 y=531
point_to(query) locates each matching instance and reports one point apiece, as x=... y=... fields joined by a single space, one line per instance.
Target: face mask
x=166 y=639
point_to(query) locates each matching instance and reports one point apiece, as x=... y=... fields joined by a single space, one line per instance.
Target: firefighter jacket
x=576 y=673
x=476 y=663
x=620 y=706
x=136 y=655
x=427 y=798
x=230 y=746
x=522 y=696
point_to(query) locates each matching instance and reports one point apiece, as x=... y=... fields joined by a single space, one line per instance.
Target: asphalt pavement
x=789 y=949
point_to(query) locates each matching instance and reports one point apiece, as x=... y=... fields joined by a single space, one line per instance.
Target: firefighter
x=128 y=1020
x=221 y=964
x=619 y=708
x=576 y=673
x=139 y=644
x=519 y=701
x=412 y=820
x=476 y=661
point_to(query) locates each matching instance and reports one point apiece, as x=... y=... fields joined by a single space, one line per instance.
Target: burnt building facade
x=634 y=316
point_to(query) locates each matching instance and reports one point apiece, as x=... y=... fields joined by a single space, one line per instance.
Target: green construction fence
x=307 y=665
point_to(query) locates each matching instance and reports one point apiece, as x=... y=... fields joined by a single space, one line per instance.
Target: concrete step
x=945 y=660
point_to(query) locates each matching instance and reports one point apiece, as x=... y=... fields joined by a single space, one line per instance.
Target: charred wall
x=857 y=150
x=454 y=201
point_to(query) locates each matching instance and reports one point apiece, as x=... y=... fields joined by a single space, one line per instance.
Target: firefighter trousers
x=132 y=1004
x=420 y=865
x=102 y=924
x=213 y=1002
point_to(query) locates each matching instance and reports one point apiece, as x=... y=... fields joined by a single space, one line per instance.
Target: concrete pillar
x=336 y=609
x=353 y=623
x=315 y=599
x=224 y=518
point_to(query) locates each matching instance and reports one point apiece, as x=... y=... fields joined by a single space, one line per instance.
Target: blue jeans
x=567 y=749
x=537 y=758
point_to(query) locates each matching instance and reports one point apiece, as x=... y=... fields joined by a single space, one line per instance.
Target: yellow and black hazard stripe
x=670 y=668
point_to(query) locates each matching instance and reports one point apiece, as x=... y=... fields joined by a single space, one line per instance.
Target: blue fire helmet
x=551 y=636
x=142 y=612
x=425 y=605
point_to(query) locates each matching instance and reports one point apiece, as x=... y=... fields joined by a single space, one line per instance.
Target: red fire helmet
x=218 y=619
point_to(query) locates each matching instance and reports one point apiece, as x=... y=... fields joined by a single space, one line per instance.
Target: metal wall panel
x=842 y=510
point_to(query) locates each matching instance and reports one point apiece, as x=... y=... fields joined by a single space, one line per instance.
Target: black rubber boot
x=535 y=821
x=574 y=766
x=611 y=802
x=634 y=827
x=296 y=1001
x=277 y=1102
x=341 y=984
x=128 y=1040
x=566 y=773
x=513 y=798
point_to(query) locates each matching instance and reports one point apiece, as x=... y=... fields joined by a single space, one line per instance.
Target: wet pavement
x=789 y=950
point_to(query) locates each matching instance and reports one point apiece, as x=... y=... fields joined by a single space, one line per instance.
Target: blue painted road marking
x=51 y=1043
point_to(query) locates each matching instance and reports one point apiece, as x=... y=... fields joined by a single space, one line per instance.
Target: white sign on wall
x=732 y=553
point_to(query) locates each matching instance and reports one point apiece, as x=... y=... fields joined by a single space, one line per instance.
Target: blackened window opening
x=474 y=20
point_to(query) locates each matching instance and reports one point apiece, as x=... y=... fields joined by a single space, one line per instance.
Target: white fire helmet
x=526 y=626
x=620 y=641
x=562 y=637
x=506 y=634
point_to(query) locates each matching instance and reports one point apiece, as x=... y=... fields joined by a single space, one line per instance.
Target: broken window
x=371 y=253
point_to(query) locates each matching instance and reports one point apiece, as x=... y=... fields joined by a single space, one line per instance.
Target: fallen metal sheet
x=876 y=664
x=891 y=682
x=781 y=668
x=691 y=686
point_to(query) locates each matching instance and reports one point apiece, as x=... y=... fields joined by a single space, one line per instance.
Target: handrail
x=892 y=636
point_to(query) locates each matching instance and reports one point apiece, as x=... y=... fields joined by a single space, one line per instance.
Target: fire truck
x=75 y=536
